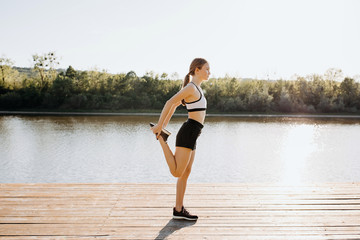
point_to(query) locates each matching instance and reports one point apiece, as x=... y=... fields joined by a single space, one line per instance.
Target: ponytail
x=186 y=81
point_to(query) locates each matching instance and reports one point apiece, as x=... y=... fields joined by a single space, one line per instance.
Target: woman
x=192 y=96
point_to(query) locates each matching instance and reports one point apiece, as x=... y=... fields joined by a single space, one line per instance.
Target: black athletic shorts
x=188 y=134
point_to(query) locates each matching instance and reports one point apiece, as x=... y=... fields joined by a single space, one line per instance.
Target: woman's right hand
x=157 y=130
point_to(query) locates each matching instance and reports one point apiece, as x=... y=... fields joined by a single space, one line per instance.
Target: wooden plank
x=199 y=186
x=304 y=220
x=175 y=236
x=39 y=204
x=188 y=196
x=93 y=229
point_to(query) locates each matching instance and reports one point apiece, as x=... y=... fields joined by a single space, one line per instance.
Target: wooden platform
x=143 y=211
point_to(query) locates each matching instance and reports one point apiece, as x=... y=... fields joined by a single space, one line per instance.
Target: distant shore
x=246 y=115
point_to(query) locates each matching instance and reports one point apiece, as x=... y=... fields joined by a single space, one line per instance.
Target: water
x=123 y=149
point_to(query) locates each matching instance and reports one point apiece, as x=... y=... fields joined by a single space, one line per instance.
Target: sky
x=246 y=39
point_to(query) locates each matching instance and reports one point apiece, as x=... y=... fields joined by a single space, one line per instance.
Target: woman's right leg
x=177 y=163
x=182 y=182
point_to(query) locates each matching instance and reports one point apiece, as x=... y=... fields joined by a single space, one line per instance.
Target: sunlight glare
x=297 y=147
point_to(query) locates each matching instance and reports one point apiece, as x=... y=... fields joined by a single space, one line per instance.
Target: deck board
x=143 y=211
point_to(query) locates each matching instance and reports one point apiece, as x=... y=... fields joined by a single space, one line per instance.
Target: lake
x=107 y=149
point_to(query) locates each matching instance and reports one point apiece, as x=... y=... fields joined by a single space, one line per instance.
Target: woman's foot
x=184 y=214
x=164 y=133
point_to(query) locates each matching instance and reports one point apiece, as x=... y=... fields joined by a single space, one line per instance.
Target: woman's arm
x=171 y=106
x=170 y=114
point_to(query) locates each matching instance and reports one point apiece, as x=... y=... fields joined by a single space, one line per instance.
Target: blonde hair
x=196 y=63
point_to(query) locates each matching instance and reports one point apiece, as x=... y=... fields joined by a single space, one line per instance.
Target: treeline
x=47 y=88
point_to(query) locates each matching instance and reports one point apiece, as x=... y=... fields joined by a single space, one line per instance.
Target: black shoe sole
x=184 y=218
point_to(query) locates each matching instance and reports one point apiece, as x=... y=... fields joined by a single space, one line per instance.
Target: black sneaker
x=184 y=214
x=164 y=133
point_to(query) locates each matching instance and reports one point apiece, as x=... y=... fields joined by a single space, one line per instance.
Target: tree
x=70 y=72
x=285 y=102
x=164 y=76
x=5 y=66
x=349 y=92
x=333 y=75
x=45 y=66
x=131 y=74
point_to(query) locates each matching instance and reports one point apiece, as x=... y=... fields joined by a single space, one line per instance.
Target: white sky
x=241 y=38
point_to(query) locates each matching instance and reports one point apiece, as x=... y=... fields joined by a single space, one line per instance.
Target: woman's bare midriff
x=198 y=116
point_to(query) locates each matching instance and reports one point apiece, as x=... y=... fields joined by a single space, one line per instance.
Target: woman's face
x=204 y=72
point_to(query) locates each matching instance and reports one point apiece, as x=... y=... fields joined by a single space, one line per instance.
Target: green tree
x=164 y=76
x=5 y=68
x=349 y=90
x=45 y=65
x=61 y=89
x=70 y=72
x=333 y=75
x=285 y=102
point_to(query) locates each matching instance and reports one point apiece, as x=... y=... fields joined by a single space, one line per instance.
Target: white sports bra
x=198 y=105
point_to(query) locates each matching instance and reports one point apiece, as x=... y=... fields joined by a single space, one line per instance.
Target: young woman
x=192 y=96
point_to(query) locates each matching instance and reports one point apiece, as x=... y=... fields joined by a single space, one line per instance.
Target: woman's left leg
x=181 y=183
